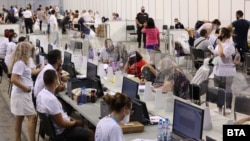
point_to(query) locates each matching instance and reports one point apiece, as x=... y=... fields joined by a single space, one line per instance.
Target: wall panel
x=193 y=13
x=152 y=8
x=237 y=5
x=247 y=11
x=225 y=12
x=159 y=10
x=145 y=3
x=124 y=9
x=175 y=10
x=203 y=9
x=119 y=8
x=184 y=12
x=101 y=7
x=139 y=4
x=213 y=9
x=167 y=12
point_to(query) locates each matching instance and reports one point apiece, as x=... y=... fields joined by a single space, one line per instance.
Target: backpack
x=198 y=24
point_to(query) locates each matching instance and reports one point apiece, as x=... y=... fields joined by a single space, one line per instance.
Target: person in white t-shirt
x=21 y=104
x=108 y=128
x=28 y=20
x=47 y=103
x=3 y=45
x=10 y=48
x=211 y=27
x=53 y=27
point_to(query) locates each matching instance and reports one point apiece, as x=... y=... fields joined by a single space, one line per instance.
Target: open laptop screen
x=130 y=87
x=91 y=70
x=187 y=120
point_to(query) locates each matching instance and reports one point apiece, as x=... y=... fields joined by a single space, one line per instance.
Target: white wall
x=164 y=11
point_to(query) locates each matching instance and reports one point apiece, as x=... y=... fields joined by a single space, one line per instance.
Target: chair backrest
x=165 y=27
x=47 y=125
x=242 y=105
x=216 y=95
x=199 y=53
x=171 y=26
x=130 y=27
x=194 y=91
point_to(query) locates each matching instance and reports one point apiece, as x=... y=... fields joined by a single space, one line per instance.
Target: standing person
x=224 y=69
x=21 y=98
x=140 y=19
x=108 y=128
x=152 y=34
x=28 y=20
x=241 y=27
x=40 y=16
x=53 y=27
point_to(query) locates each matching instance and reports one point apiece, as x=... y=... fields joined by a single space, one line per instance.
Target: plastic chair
x=130 y=30
x=216 y=95
x=241 y=105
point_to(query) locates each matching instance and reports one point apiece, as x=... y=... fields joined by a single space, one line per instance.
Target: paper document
x=155 y=119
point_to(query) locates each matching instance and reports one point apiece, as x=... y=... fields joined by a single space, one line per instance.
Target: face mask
x=143 y=10
x=126 y=119
x=110 y=49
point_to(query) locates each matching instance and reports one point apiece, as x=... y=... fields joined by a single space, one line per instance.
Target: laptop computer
x=187 y=121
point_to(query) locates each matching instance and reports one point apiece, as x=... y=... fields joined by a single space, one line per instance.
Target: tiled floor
x=240 y=86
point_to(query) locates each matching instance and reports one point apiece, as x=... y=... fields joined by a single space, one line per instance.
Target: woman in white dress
x=21 y=98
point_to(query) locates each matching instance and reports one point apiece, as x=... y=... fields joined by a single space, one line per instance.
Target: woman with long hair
x=21 y=99
x=152 y=34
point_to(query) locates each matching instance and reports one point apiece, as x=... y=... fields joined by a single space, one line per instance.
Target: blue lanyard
x=114 y=118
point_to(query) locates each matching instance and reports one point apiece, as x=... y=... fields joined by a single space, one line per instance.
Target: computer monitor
x=50 y=47
x=67 y=57
x=140 y=112
x=38 y=43
x=187 y=120
x=98 y=86
x=130 y=87
x=91 y=70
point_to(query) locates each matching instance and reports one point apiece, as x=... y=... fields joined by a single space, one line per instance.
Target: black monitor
x=130 y=87
x=187 y=120
x=67 y=58
x=140 y=112
x=38 y=43
x=91 y=70
x=98 y=86
x=50 y=47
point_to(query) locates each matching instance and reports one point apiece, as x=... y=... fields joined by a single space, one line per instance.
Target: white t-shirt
x=27 y=14
x=53 y=23
x=3 y=46
x=39 y=84
x=10 y=49
x=15 y=12
x=108 y=129
x=205 y=26
x=49 y=104
x=24 y=73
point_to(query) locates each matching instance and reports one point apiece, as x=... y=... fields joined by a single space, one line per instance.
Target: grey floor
x=240 y=86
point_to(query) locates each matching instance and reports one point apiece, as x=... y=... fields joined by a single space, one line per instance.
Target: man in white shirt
x=28 y=20
x=54 y=61
x=47 y=103
x=53 y=27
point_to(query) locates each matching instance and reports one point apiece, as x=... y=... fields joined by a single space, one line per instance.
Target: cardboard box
x=132 y=127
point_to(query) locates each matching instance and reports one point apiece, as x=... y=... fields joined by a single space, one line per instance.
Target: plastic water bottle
x=166 y=133
x=82 y=97
x=159 y=130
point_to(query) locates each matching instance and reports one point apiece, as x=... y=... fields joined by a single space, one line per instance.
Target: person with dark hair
x=134 y=64
x=224 y=69
x=240 y=28
x=108 y=128
x=211 y=27
x=202 y=42
x=65 y=21
x=10 y=47
x=140 y=19
x=152 y=34
x=54 y=58
x=178 y=24
x=47 y=103
x=28 y=20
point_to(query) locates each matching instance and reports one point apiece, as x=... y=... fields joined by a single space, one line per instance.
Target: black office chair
x=164 y=29
x=195 y=93
x=218 y=96
x=70 y=68
x=242 y=105
x=171 y=26
x=78 y=45
x=199 y=56
x=130 y=30
x=47 y=127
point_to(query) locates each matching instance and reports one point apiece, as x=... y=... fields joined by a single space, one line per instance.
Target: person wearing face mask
x=21 y=96
x=178 y=25
x=108 y=128
x=109 y=53
x=65 y=126
x=140 y=19
x=224 y=68
x=241 y=27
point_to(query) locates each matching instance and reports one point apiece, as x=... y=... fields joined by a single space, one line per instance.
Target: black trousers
x=242 y=47
x=139 y=35
x=28 y=25
x=40 y=24
x=76 y=133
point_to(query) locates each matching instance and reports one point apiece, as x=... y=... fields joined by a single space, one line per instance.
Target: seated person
x=84 y=27
x=169 y=77
x=65 y=21
x=134 y=64
x=66 y=127
x=178 y=24
x=109 y=53
x=203 y=43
